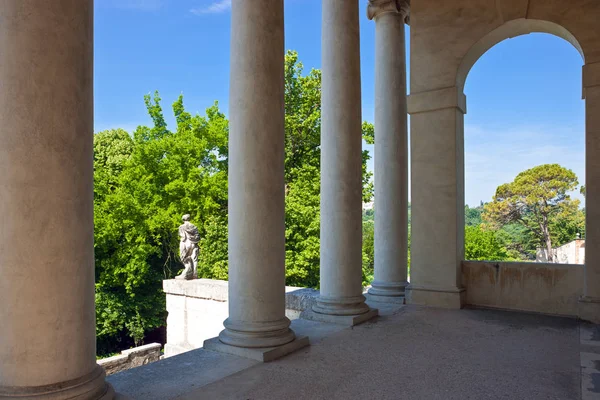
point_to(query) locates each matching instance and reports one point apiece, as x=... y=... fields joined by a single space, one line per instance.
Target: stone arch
x=447 y=38
x=508 y=30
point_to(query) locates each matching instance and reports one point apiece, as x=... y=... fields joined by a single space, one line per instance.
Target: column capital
x=378 y=7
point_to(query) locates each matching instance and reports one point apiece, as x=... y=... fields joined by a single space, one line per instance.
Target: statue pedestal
x=197 y=309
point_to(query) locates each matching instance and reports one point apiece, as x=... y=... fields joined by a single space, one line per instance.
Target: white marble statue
x=188 y=249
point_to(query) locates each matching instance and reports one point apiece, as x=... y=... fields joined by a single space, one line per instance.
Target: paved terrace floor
x=407 y=353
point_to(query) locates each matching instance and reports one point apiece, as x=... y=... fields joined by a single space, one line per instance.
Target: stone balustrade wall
x=536 y=287
x=131 y=358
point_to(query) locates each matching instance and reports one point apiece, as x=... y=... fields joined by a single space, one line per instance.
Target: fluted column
x=256 y=180
x=47 y=329
x=341 y=163
x=391 y=151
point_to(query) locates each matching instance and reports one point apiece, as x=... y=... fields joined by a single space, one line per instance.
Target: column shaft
x=341 y=165
x=256 y=178
x=391 y=157
x=589 y=304
x=47 y=334
x=592 y=206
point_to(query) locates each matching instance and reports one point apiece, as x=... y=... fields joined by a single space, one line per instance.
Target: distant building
x=569 y=253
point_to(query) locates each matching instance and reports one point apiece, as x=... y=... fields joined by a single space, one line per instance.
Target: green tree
x=483 y=245
x=536 y=200
x=368 y=251
x=143 y=186
x=520 y=243
x=112 y=148
x=473 y=216
x=302 y=172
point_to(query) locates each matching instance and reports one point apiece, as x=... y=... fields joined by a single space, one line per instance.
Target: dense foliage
x=145 y=182
x=142 y=187
x=482 y=244
x=302 y=174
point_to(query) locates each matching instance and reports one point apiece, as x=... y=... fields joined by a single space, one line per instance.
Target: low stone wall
x=131 y=358
x=537 y=287
x=197 y=308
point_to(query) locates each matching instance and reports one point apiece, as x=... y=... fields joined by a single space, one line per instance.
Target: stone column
x=341 y=168
x=391 y=151
x=589 y=306
x=47 y=334
x=437 y=171
x=256 y=183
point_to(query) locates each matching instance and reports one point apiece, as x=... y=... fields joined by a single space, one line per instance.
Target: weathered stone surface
x=172 y=377
x=208 y=289
x=543 y=288
x=589 y=309
x=131 y=358
x=299 y=299
x=47 y=334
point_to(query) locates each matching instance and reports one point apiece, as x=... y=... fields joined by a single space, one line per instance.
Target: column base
x=349 y=306
x=345 y=320
x=387 y=292
x=385 y=299
x=256 y=334
x=589 y=309
x=435 y=296
x=390 y=289
x=90 y=387
x=262 y=354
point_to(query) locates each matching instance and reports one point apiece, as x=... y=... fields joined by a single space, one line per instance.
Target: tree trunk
x=547 y=240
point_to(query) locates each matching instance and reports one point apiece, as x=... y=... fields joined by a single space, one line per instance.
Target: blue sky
x=524 y=95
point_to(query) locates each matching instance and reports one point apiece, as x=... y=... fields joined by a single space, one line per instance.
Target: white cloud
x=215 y=8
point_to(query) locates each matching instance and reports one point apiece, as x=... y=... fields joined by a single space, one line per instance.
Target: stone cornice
x=378 y=7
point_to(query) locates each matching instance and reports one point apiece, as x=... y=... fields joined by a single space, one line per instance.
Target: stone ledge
x=296 y=298
x=131 y=358
x=207 y=289
x=174 y=349
x=175 y=376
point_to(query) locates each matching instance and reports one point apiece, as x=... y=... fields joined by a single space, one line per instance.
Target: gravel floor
x=423 y=353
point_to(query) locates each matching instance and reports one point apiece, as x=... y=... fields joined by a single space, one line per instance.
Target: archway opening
x=524 y=146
